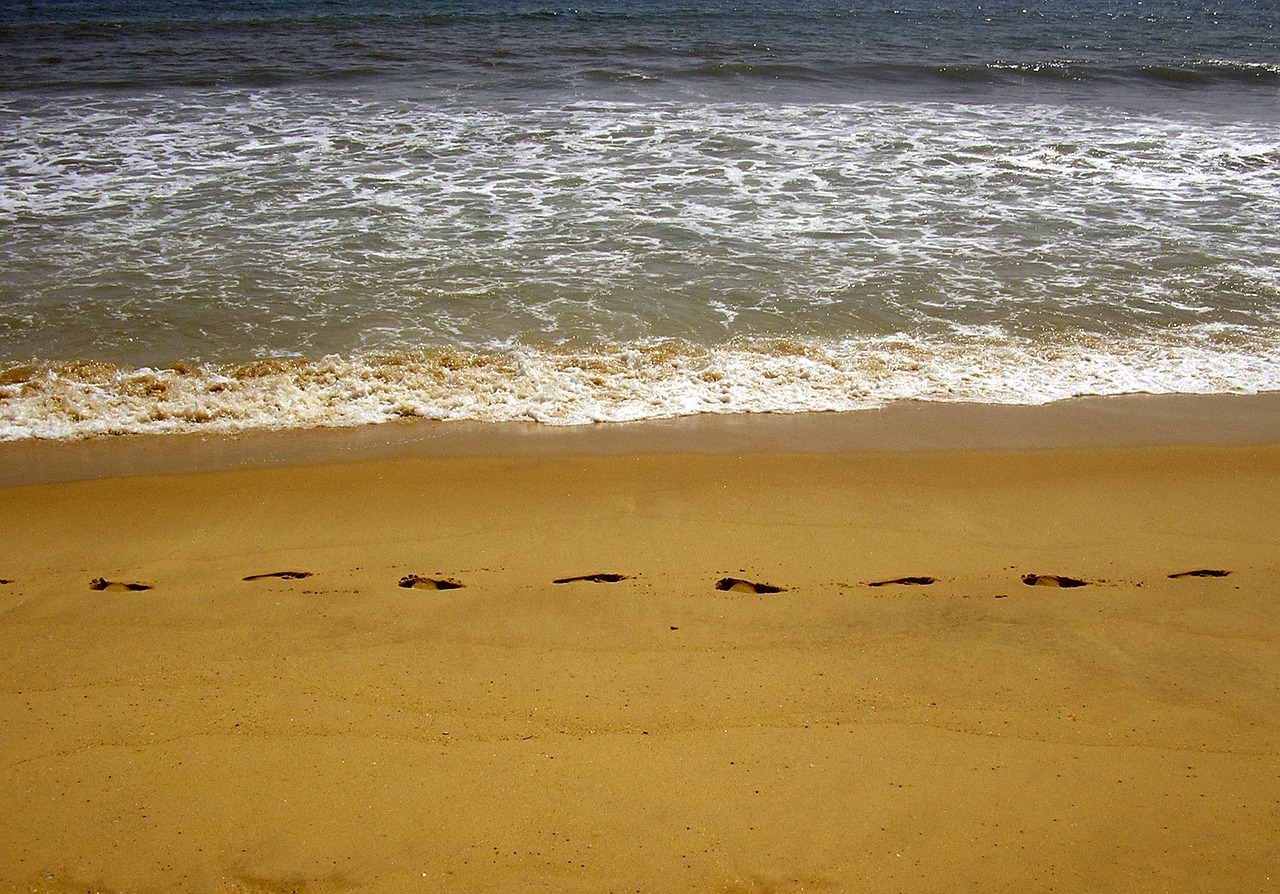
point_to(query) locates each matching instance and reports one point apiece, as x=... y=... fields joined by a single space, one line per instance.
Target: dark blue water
x=833 y=48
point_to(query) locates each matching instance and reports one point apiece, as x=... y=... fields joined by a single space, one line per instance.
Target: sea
x=248 y=214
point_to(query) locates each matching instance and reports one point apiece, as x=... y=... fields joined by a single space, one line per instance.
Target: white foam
x=626 y=382
x=778 y=212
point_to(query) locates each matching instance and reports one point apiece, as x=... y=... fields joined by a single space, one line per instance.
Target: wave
x=305 y=65
x=1214 y=71
x=1191 y=73
x=567 y=386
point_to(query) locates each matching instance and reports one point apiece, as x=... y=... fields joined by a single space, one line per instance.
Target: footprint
x=911 y=581
x=417 y=582
x=737 y=585
x=602 y=578
x=101 y=583
x=284 y=575
x=1052 y=580
x=1200 y=572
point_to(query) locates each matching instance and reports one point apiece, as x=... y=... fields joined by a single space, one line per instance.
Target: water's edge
x=1122 y=421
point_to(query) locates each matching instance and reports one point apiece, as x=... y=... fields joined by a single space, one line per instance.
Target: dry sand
x=340 y=731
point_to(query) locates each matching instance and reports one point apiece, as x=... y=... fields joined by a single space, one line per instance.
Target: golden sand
x=365 y=676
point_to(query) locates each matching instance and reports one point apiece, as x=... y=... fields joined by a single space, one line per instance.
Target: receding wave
x=619 y=383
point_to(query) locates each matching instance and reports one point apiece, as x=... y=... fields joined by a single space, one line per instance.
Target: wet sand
x=364 y=676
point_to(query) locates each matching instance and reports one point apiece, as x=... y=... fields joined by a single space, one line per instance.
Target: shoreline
x=1137 y=420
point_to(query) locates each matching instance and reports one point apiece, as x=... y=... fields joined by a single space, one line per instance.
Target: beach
x=988 y=664
x=639 y=446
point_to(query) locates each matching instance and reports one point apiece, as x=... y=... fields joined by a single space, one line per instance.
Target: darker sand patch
x=101 y=583
x=922 y=581
x=418 y=582
x=1053 y=580
x=282 y=575
x=602 y=578
x=257 y=884
x=1200 y=572
x=738 y=585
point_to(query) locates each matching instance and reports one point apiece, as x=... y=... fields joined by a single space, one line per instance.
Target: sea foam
x=566 y=386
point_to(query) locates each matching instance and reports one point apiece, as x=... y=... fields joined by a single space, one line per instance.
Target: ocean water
x=291 y=213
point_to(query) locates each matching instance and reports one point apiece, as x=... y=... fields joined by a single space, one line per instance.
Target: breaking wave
x=566 y=386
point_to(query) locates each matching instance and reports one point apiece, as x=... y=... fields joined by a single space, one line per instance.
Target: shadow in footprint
x=418 y=582
x=101 y=583
x=1200 y=572
x=1053 y=580
x=283 y=575
x=908 y=581
x=602 y=578
x=738 y=585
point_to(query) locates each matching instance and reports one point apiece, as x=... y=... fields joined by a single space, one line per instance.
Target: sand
x=277 y=712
